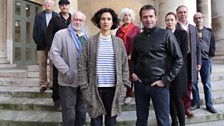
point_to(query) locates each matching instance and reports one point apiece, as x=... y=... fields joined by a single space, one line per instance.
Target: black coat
x=39 y=29
x=57 y=23
x=178 y=86
x=195 y=57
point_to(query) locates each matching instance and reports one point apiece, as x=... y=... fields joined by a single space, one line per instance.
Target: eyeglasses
x=80 y=20
x=198 y=17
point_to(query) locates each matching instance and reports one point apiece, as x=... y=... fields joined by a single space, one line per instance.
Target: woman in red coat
x=127 y=32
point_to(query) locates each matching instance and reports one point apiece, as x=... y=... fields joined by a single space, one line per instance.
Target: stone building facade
x=17 y=46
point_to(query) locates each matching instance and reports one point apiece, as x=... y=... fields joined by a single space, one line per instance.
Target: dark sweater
x=207 y=42
x=57 y=23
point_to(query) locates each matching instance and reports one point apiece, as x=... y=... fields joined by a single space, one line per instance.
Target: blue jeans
x=160 y=99
x=205 y=73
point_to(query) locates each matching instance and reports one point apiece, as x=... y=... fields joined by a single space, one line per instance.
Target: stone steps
x=211 y=123
x=46 y=104
x=127 y=118
x=21 y=104
x=30 y=118
x=19 y=82
x=30 y=98
x=30 y=92
x=28 y=104
x=201 y=115
x=13 y=72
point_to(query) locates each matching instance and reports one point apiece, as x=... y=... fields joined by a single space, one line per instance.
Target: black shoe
x=57 y=103
x=195 y=107
x=211 y=109
x=174 y=123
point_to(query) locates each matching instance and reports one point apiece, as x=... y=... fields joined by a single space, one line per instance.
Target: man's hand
x=129 y=57
x=135 y=77
x=158 y=83
x=198 y=68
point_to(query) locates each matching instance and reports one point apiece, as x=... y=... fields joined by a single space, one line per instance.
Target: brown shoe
x=43 y=89
x=189 y=113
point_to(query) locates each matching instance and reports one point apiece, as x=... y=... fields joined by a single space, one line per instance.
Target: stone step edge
x=46 y=104
x=126 y=118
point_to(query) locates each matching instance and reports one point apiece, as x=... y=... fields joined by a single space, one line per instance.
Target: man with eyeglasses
x=65 y=51
x=207 y=41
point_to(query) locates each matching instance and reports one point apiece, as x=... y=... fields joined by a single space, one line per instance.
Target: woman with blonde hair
x=127 y=32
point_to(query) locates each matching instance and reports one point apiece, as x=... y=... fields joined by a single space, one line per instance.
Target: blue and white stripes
x=106 y=68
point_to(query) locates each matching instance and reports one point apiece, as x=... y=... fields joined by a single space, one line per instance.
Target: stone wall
x=89 y=7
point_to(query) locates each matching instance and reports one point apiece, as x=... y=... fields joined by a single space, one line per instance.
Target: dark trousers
x=107 y=96
x=129 y=91
x=73 y=106
x=55 y=92
x=187 y=99
x=160 y=99
x=177 y=110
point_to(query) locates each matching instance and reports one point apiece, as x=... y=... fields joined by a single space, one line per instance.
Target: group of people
x=88 y=73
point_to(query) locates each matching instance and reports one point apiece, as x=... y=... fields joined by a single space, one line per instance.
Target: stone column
x=165 y=6
x=3 y=29
x=218 y=28
x=204 y=6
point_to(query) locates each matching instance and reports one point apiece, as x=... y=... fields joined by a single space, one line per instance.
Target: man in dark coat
x=39 y=34
x=61 y=21
x=194 y=53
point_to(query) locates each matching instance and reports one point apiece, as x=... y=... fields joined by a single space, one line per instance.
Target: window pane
x=18 y=31
x=17 y=53
x=28 y=54
x=27 y=10
x=28 y=32
x=18 y=8
x=36 y=10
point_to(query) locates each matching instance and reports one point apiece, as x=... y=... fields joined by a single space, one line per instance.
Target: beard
x=77 y=28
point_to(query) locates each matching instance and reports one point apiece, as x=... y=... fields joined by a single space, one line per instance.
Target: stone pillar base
x=4 y=61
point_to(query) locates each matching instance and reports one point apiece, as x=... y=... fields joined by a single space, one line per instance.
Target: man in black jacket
x=61 y=21
x=156 y=60
x=39 y=34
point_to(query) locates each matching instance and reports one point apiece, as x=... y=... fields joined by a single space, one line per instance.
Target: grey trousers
x=73 y=107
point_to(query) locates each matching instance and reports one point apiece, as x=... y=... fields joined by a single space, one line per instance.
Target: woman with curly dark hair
x=103 y=70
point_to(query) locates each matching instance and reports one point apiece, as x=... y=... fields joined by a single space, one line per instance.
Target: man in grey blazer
x=64 y=53
x=194 y=53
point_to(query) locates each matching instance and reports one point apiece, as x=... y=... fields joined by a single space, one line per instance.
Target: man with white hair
x=39 y=34
x=193 y=54
x=64 y=53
